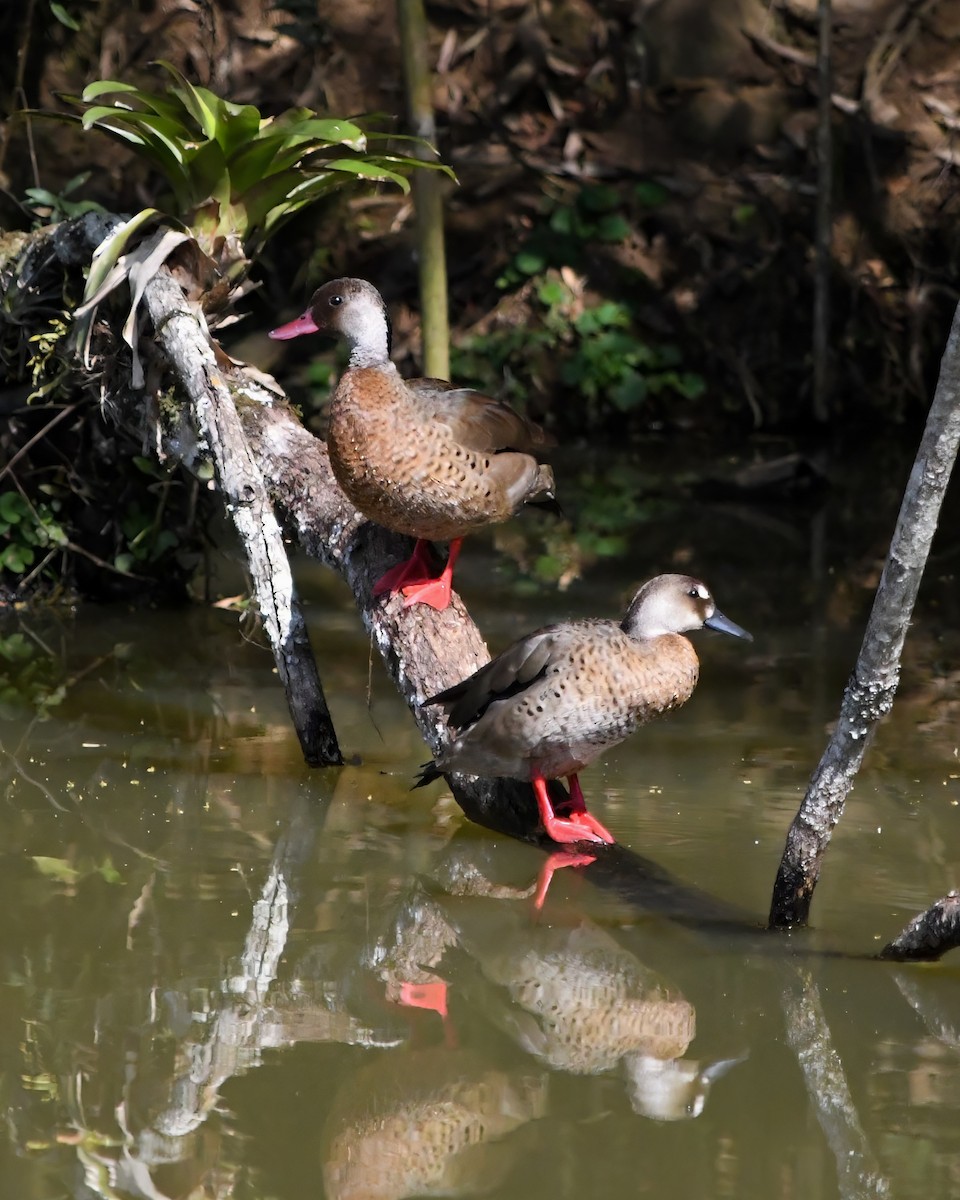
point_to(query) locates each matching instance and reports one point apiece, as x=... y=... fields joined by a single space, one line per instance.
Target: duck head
x=347 y=309
x=676 y=604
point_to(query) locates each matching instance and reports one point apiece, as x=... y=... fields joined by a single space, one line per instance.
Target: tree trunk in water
x=245 y=494
x=870 y=691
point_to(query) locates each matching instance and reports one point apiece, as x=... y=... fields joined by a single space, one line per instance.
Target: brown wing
x=506 y=675
x=477 y=421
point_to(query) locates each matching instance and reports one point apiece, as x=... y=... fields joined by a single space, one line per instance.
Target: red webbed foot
x=417 y=569
x=432 y=996
x=435 y=592
x=576 y=825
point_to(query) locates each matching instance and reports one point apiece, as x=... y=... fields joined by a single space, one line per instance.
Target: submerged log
x=930 y=935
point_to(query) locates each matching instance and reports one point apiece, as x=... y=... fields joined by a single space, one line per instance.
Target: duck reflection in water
x=428 y=1123
x=574 y=999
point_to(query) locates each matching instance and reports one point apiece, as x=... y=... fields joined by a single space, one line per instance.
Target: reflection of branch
x=242 y=1025
x=938 y=1014
x=809 y=1037
x=930 y=935
x=869 y=693
x=11 y=757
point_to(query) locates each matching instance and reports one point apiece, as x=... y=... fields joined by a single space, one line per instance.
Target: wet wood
x=930 y=935
x=869 y=693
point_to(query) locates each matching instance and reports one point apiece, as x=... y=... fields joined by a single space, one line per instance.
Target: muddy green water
x=205 y=944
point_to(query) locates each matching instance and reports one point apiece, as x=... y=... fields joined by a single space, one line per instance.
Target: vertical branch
x=427 y=194
x=249 y=506
x=869 y=693
x=824 y=218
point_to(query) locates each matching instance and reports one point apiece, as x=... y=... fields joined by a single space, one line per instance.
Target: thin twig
x=38 y=436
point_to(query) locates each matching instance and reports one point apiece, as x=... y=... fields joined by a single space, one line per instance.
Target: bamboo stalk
x=427 y=193
x=824 y=218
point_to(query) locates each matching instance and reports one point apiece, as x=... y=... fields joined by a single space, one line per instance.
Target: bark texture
x=423 y=650
x=930 y=935
x=248 y=504
x=870 y=691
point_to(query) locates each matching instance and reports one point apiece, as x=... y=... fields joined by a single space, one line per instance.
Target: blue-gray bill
x=723 y=624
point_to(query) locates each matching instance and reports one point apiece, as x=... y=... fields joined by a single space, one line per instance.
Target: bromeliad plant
x=235 y=178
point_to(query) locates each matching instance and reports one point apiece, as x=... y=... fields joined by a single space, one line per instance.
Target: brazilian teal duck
x=419 y=456
x=558 y=698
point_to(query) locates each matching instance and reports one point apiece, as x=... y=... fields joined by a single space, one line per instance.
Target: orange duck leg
x=579 y=826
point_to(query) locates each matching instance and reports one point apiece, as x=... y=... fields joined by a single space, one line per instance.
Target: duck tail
x=543 y=495
x=429 y=771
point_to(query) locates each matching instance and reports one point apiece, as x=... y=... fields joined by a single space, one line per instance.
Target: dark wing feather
x=507 y=675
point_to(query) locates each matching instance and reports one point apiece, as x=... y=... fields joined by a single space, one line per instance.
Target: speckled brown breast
x=403 y=470
x=600 y=685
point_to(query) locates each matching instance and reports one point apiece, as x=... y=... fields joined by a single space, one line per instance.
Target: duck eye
x=695 y=593
x=335 y=301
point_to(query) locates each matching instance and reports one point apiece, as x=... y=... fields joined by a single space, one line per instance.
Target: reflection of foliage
x=32 y=679
x=607 y=505
x=592 y=351
x=69 y=873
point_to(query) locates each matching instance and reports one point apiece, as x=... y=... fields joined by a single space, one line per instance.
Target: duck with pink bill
x=421 y=457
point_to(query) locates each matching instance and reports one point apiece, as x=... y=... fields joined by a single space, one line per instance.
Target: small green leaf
x=562 y=220
x=56 y=868
x=64 y=17
x=599 y=198
x=650 y=194
x=630 y=392
x=553 y=293
x=613 y=228
x=13 y=507
x=124 y=563
x=529 y=263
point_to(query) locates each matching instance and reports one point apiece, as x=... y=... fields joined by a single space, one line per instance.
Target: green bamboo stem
x=427 y=194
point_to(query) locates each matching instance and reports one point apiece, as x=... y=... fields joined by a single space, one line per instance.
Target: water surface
x=224 y=974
